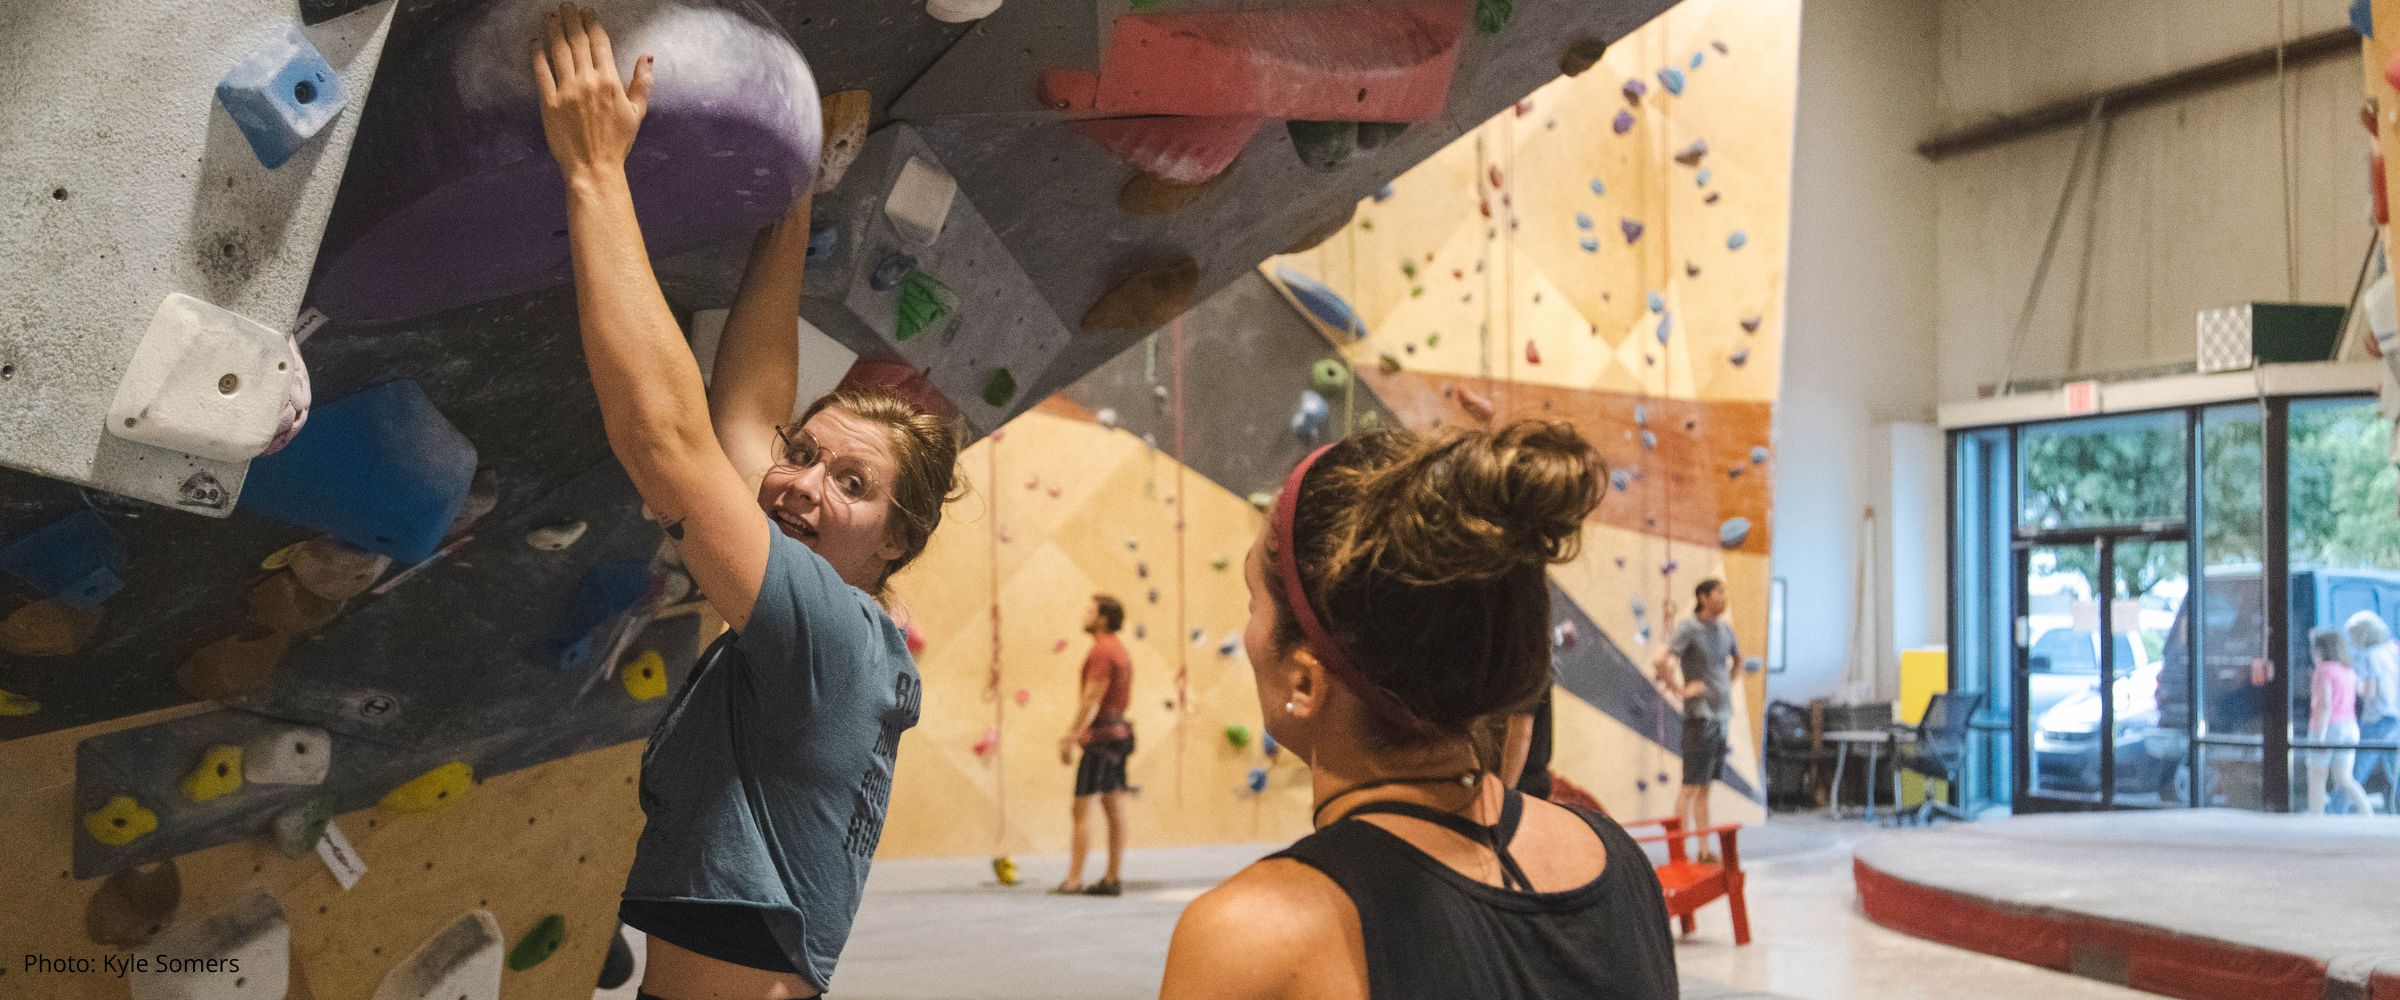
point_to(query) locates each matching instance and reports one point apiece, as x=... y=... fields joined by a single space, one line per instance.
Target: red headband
x=1313 y=634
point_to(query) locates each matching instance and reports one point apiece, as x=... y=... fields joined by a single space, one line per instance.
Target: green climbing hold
x=1433 y=340
x=924 y=304
x=1329 y=375
x=1237 y=736
x=538 y=943
x=1408 y=268
x=1492 y=15
x=1000 y=388
x=1324 y=146
x=1221 y=563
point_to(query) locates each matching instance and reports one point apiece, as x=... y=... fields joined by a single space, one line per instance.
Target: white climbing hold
x=960 y=11
x=1107 y=417
x=462 y=961
x=205 y=381
x=250 y=939
x=295 y=755
x=919 y=204
x=556 y=537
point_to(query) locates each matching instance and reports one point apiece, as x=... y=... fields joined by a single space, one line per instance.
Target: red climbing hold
x=1476 y=405
x=1184 y=150
x=1382 y=62
x=1495 y=175
x=1533 y=354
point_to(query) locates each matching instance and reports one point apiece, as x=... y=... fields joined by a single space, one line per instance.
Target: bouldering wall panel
x=1611 y=251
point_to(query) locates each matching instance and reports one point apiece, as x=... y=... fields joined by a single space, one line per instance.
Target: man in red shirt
x=1106 y=737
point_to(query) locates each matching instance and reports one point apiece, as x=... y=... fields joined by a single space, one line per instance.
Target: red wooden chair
x=1690 y=884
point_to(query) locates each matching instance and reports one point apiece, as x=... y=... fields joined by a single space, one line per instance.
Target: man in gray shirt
x=1704 y=647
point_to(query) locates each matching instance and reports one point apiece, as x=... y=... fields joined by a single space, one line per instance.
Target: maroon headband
x=1313 y=634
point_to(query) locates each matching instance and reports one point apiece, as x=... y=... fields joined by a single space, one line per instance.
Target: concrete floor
x=943 y=929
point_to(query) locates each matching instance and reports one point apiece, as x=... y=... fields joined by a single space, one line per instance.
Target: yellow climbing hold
x=1004 y=868
x=432 y=789
x=119 y=822
x=279 y=558
x=12 y=703
x=220 y=772
x=646 y=677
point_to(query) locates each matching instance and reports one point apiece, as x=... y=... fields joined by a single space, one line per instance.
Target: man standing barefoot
x=1703 y=646
x=1107 y=739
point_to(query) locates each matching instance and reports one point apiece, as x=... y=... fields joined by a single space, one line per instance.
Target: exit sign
x=2083 y=397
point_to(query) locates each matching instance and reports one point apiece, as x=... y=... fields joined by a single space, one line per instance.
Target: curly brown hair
x=924 y=445
x=1427 y=554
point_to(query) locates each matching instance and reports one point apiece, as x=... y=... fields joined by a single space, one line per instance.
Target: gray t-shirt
x=766 y=782
x=1705 y=648
x=2381 y=662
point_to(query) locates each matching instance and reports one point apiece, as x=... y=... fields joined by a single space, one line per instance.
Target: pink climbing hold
x=1179 y=149
x=1495 y=175
x=1533 y=354
x=1475 y=405
x=986 y=744
x=914 y=638
x=1023 y=696
x=1524 y=107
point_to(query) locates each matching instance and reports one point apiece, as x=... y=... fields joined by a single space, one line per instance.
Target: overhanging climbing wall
x=1611 y=252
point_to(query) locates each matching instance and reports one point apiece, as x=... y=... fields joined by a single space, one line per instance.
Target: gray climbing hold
x=1649 y=440
x=1641 y=414
x=1758 y=455
x=1703 y=176
x=1598 y=188
x=1619 y=481
x=1750 y=324
x=894 y=268
x=1631 y=228
x=1739 y=358
x=1584 y=222
x=1641 y=609
x=1658 y=302
x=295 y=755
x=1690 y=155
x=1666 y=326
x=1324 y=146
x=1383 y=193
x=1738 y=240
x=556 y=537
x=1733 y=532
x=461 y=961
x=251 y=942
x=1590 y=244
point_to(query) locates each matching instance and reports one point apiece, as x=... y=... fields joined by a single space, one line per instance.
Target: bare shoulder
x=1263 y=934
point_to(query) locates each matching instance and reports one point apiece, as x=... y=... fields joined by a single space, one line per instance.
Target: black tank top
x=1435 y=934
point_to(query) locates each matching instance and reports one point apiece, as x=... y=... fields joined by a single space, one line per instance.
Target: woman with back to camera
x=1398 y=602
x=765 y=784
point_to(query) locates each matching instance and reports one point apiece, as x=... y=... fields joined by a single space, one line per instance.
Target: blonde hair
x=924 y=446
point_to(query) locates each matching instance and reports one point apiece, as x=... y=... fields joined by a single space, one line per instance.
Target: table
x=1843 y=739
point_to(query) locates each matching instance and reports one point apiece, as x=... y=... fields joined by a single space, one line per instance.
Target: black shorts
x=1703 y=750
x=727 y=932
x=1103 y=767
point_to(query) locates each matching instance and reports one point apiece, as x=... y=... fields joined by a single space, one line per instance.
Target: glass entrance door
x=2102 y=673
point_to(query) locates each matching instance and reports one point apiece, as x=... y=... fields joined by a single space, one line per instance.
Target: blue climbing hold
x=823 y=240
x=2362 y=17
x=1649 y=440
x=1590 y=244
x=1672 y=79
x=1738 y=240
x=1619 y=480
x=1266 y=742
x=1309 y=420
x=1383 y=193
x=1640 y=608
x=381 y=469
x=1696 y=58
x=1666 y=326
x=894 y=268
x=1758 y=455
x=1658 y=303
x=1584 y=222
x=607 y=592
x=1258 y=779
x=281 y=96
x=1641 y=414
x=1598 y=188
x=1733 y=532
x=1324 y=307
x=77 y=560
x=1702 y=177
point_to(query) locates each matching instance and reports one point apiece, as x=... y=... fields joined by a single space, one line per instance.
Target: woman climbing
x=765 y=784
x=1398 y=602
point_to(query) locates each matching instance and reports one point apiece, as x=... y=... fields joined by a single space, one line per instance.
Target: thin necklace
x=1465 y=779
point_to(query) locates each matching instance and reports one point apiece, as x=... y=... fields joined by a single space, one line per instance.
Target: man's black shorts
x=1703 y=750
x=1103 y=767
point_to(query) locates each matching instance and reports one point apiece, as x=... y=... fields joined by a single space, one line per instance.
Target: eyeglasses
x=847 y=479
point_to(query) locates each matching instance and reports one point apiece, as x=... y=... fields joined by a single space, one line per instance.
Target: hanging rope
x=1183 y=645
x=991 y=685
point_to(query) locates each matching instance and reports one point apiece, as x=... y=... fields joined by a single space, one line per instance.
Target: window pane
x=2232 y=637
x=2109 y=471
x=2344 y=530
x=2153 y=735
x=1979 y=588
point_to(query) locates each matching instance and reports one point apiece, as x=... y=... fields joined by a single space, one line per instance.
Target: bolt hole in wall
x=8 y=371
x=58 y=194
x=304 y=92
x=229 y=384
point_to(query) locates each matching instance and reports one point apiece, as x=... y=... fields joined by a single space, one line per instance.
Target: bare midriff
x=681 y=974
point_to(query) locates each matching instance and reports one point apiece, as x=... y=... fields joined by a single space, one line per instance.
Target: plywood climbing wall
x=1611 y=252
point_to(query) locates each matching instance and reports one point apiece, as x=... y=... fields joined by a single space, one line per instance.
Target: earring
x=1288 y=708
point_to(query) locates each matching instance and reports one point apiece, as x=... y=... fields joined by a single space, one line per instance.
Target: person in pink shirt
x=2332 y=718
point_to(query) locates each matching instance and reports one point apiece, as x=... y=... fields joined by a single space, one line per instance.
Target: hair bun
x=1475 y=505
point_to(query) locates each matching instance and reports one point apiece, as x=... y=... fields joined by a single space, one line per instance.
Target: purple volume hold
x=451 y=196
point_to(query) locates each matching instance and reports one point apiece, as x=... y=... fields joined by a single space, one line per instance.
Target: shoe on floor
x=1104 y=888
x=1063 y=889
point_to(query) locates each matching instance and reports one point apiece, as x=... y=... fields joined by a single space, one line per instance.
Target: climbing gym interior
x=2014 y=385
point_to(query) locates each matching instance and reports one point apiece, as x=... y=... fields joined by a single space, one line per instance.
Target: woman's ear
x=1304 y=677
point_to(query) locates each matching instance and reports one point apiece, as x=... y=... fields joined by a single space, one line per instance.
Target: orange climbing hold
x=47 y=628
